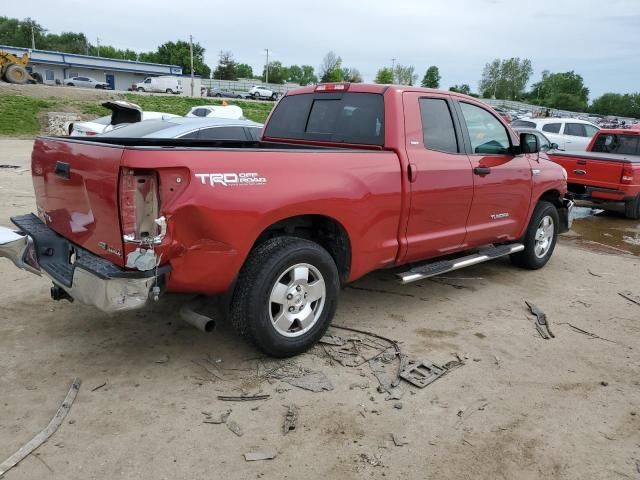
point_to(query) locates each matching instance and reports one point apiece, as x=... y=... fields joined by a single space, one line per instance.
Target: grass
x=20 y=114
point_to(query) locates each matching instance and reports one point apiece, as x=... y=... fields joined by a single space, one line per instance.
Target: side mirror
x=553 y=146
x=529 y=143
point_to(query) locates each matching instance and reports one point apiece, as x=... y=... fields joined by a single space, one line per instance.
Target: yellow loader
x=13 y=69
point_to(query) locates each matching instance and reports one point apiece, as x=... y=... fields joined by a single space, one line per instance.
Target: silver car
x=192 y=128
x=86 y=82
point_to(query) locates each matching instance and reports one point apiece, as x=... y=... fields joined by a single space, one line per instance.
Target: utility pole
x=191 y=55
x=393 y=69
x=266 y=78
x=33 y=38
x=98 y=44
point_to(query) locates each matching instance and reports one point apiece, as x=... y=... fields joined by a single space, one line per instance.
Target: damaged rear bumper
x=83 y=276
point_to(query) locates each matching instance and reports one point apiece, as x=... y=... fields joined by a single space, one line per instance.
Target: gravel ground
x=521 y=407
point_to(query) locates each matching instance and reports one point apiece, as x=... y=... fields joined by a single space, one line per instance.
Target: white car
x=86 y=82
x=570 y=134
x=218 y=111
x=124 y=113
x=260 y=91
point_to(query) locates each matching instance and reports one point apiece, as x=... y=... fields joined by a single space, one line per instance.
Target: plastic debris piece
x=256 y=456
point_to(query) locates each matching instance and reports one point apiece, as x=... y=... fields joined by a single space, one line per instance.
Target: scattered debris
x=398 y=405
x=630 y=296
x=257 y=456
x=604 y=384
x=497 y=360
x=163 y=359
x=44 y=435
x=423 y=373
x=313 y=381
x=234 y=427
x=588 y=334
x=9 y=166
x=464 y=440
x=476 y=406
x=395 y=393
x=542 y=325
x=332 y=340
x=290 y=418
x=222 y=418
x=373 y=460
x=594 y=274
x=242 y=398
x=216 y=373
x=398 y=440
x=99 y=386
x=361 y=386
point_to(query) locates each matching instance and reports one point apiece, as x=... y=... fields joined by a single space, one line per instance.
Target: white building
x=54 y=67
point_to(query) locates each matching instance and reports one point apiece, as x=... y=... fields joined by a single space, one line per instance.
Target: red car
x=347 y=179
x=608 y=172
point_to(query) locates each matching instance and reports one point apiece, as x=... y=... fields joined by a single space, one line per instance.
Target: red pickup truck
x=608 y=172
x=347 y=179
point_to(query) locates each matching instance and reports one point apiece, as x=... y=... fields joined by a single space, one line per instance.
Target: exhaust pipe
x=197 y=320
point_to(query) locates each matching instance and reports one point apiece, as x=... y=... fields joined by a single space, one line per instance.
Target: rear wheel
x=16 y=74
x=70 y=84
x=632 y=208
x=286 y=296
x=540 y=238
x=168 y=90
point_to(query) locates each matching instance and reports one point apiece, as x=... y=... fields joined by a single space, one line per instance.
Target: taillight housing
x=139 y=205
x=332 y=87
x=627 y=174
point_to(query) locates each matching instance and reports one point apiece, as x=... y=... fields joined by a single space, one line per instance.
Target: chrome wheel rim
x=544 y=237
x=297 y=300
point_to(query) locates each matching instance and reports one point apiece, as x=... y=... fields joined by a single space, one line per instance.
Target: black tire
x=140 y=89
x=70 y=84
x=534 y=256
x=168 y=90
x=252 y=310
x=219 y=95
x=273 y=96
x=16 y=74
x=632 y=208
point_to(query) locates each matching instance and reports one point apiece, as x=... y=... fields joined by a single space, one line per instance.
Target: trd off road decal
x=231 y=179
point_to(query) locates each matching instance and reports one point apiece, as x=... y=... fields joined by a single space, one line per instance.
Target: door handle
x=482 y=170
x=580 y=172
x=413 y=172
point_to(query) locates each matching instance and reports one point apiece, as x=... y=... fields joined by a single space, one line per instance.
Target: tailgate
x=583 y=170
x=76 y=188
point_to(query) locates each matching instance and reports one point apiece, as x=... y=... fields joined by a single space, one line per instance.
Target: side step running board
x=444 y=266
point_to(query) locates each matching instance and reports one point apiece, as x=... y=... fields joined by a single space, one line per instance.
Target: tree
x=464 y=88
x=302 y=75
x=352 y=75
x=17 y=33
x=431 y=77
x=405 y=75
x=627 y=105
x=278 y=73
x=331 y=68
x=108 y=51
x=384 y=76
x=227 y=68
x=244 y=71
x=564 y=90
x=506 y=79
x=177 y=53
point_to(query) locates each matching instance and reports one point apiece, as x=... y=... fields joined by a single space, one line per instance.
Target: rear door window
x=552 y=127
x=356 y=118
x=222 y=133
x=487 y=134
x=575 y=129
x=438 y=131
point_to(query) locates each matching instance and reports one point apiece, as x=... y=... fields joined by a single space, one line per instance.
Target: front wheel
x=286 y=296
x=168 y=90
x=540 y=238
x=140 y=89
x=632 y=208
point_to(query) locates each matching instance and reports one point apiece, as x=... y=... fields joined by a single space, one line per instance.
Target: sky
x=599 y=40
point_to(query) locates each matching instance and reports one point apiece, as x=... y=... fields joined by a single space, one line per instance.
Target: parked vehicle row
x=86 y=82
x=569 y=134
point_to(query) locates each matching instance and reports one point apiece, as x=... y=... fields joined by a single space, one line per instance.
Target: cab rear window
x=356 y=118
x=617 y=143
